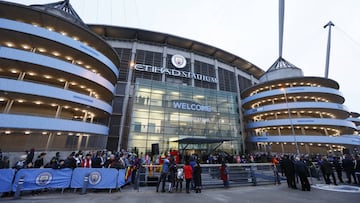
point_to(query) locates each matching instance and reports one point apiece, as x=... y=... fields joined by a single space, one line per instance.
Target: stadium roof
x=62 y=9
x=281 y=63
x=134 y=34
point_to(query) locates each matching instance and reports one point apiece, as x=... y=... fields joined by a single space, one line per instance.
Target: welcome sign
x=191 y=106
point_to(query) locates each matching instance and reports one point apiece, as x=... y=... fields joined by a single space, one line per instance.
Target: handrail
x=239 y=174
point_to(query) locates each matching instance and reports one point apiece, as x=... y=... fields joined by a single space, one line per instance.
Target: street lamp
x=291 y=122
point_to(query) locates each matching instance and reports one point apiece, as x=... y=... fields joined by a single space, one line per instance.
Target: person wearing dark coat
x=302 y=171
x=172 y=174
x=70 y=162
x=116 y=163
x=96 y=161
x=357 y=168
x=4 y=163
x=39 y=162
x=327 y=169
x=349 y=168
x=289 y=170
x=109 y=162
x=52 y=164
x=338 y=168
x=197 y=177
x=30 y=155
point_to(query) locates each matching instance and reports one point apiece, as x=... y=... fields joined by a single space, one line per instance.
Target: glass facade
x=164 y=113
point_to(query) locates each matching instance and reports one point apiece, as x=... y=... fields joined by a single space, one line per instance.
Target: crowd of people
x=295 y=168
x=302 y=167
x=91 y=159
x=175 y=175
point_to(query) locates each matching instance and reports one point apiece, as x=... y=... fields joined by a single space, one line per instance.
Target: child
x=179 y=178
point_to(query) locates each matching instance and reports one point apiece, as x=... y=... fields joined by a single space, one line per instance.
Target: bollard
x=137 y=180
x=86 y=180
x=253 y=177
x=309 y=172
x=18 y=188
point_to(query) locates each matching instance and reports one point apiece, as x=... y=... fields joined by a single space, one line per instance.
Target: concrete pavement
x=247 y=194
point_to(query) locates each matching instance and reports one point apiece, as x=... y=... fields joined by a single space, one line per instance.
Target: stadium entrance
x=175 y=116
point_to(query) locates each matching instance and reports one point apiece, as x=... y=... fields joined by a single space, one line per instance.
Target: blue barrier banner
x=6 y=179
x=121 y=178
x=100 y=178
x=43 y=178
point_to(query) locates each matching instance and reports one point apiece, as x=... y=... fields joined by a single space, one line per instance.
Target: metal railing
x=239 y=174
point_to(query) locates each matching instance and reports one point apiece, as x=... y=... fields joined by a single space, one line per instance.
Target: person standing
x=192 y=164
x=188 y=176
x=52 y=164
x=276 y=167
x=179 y=178
x=349 y=168
x=172 y=174
x=70 y=162
x=327 y=169
x=357 y=168
x=30 y=155
x=110 y=161
x=289 y=170
x=302 y=171
x=87 y=162
x=97 y=161
x=224 y=174
x=338 y=168
x=57 y=157
x=21 y=163
x=163 y=176
x=5 y=163
x=39 y=162
x=197 y=177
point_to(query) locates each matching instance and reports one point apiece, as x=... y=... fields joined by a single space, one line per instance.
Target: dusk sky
x=249 y=29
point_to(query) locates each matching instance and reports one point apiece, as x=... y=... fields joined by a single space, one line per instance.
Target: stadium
x=70 y=86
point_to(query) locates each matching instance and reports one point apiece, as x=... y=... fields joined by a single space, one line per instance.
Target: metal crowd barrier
x=46 y=178
x=239 y=174
x=147 y=175
x=357 y=175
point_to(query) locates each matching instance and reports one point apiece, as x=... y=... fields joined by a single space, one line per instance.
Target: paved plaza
x=247 y=194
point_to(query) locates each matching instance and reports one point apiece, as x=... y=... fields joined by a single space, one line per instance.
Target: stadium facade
x=172 y=89
x=287 y=112
x=57 y=80
x=65 y=85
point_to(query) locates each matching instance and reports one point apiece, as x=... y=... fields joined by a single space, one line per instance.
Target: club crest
x=178 y=61
x=43 y=178
x=94 y=178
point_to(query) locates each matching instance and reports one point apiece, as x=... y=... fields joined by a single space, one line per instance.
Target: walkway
x=247 y=194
